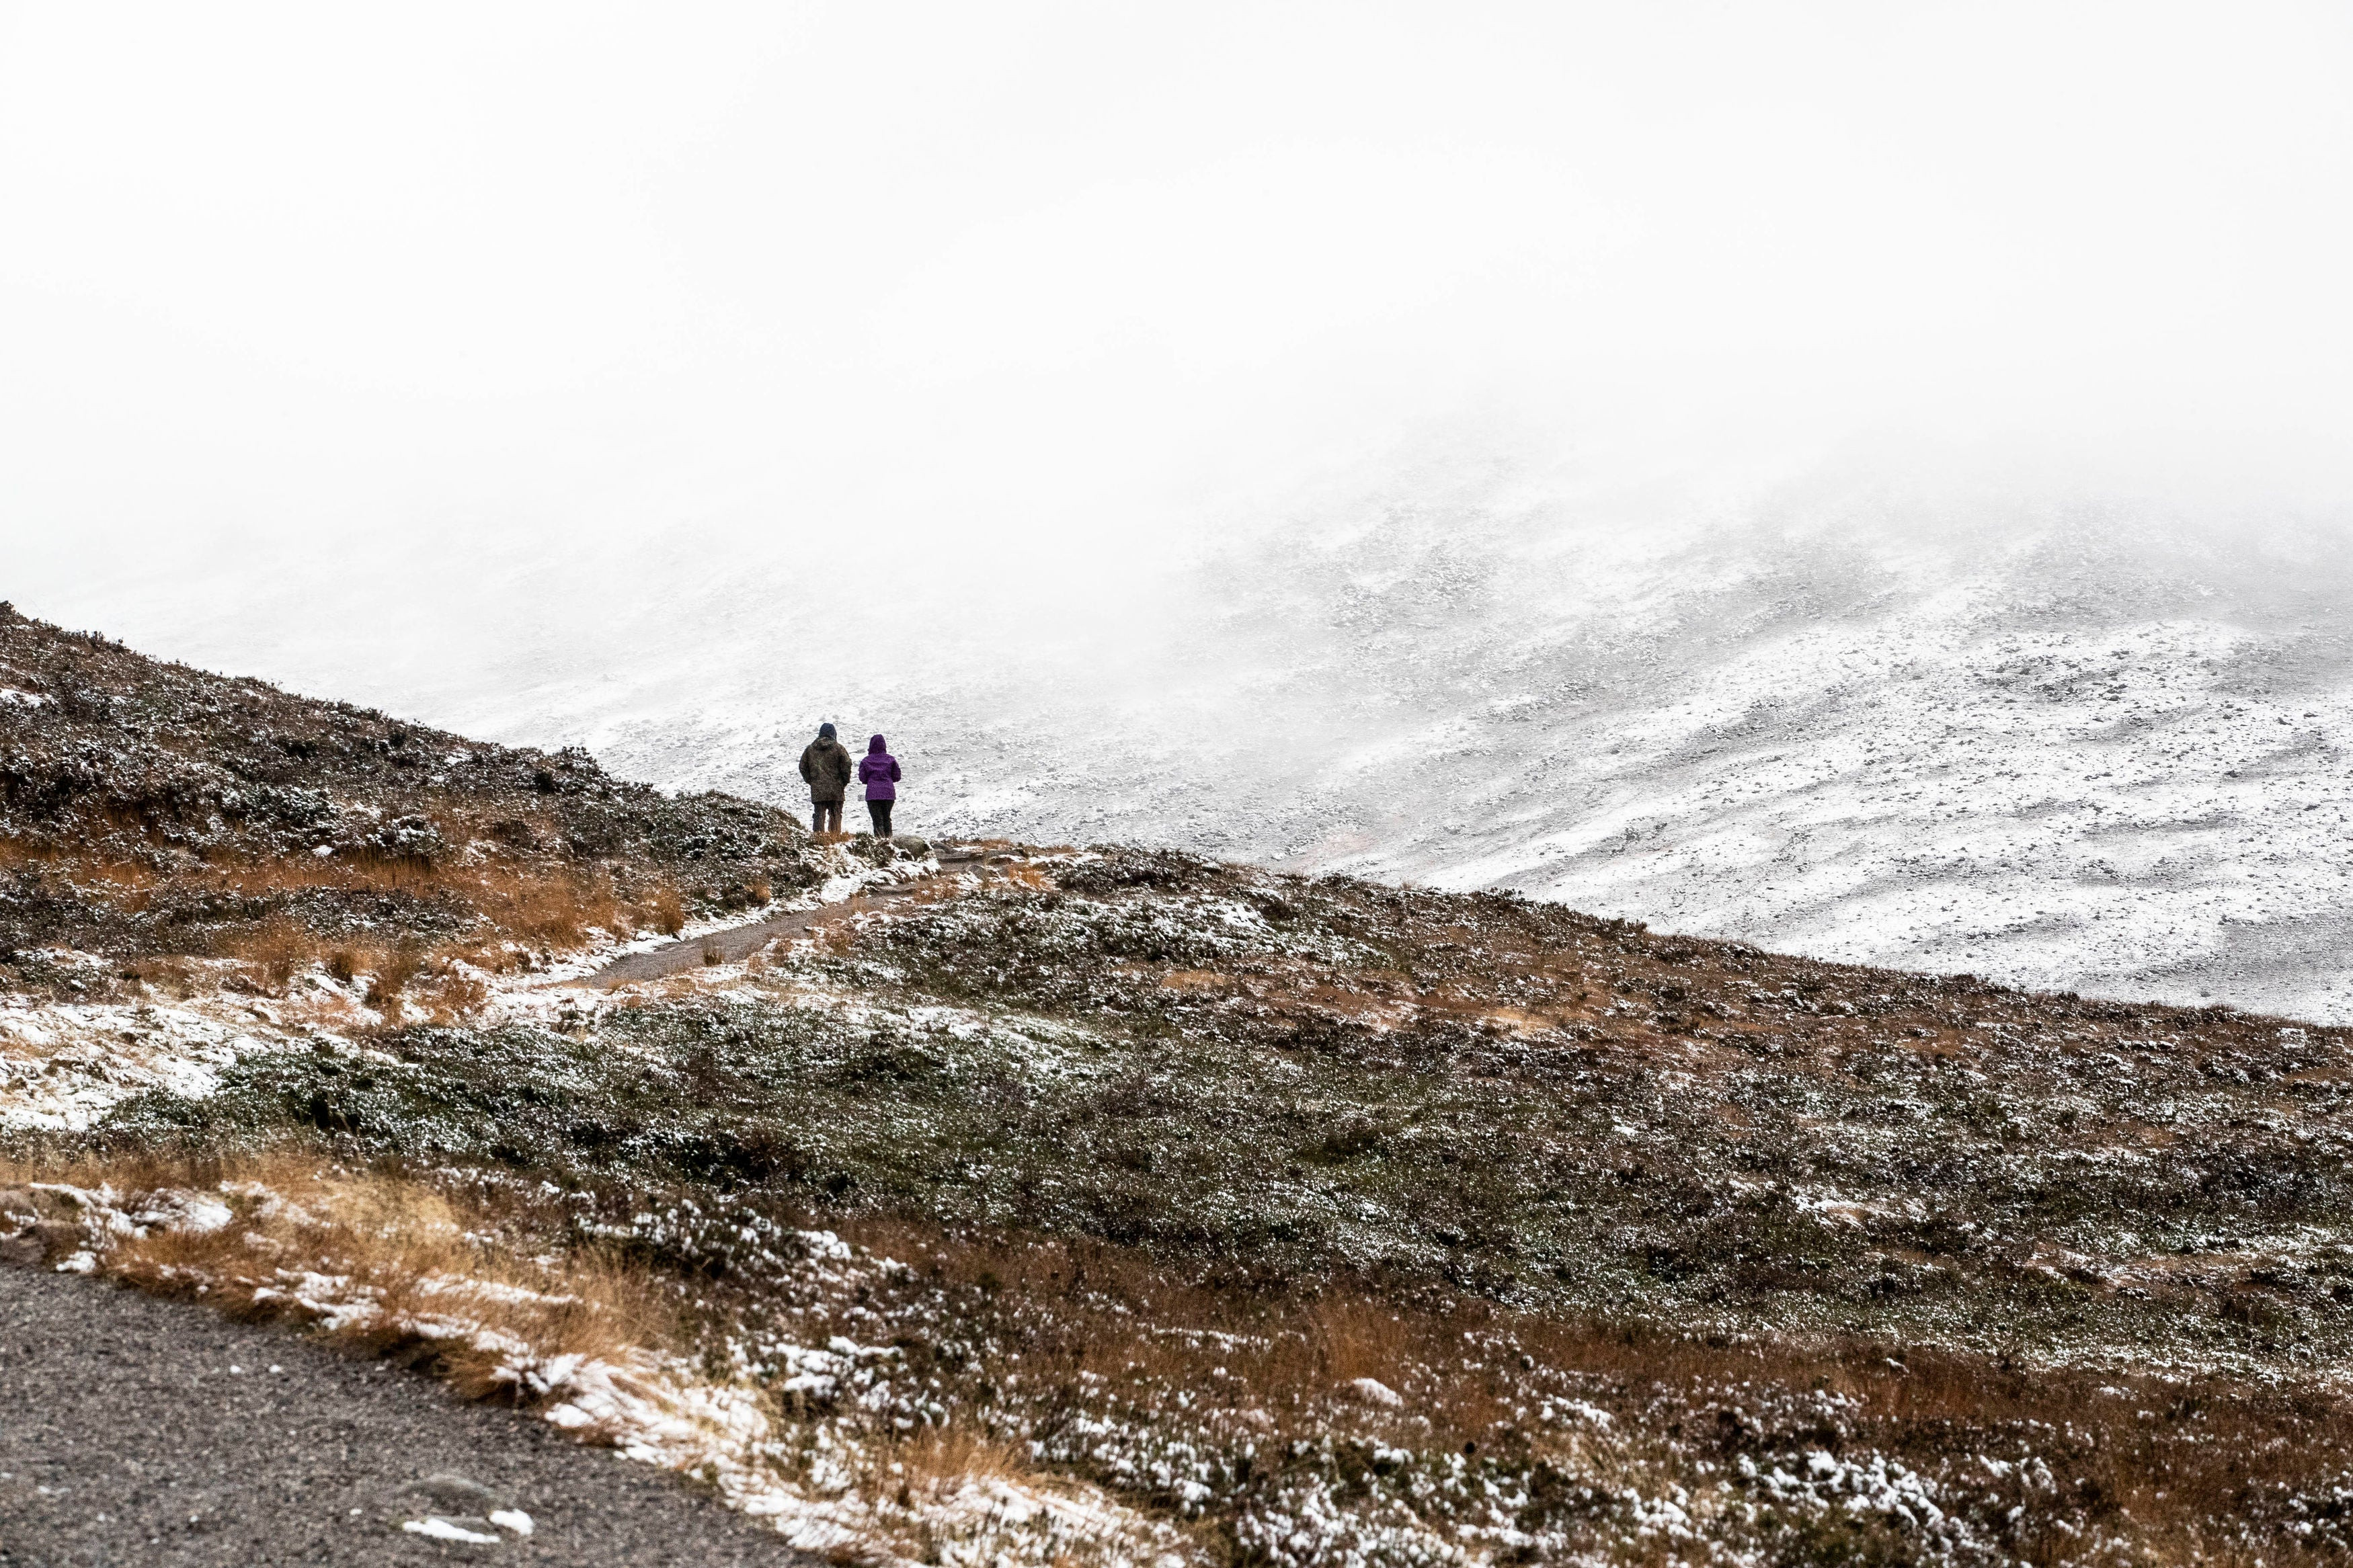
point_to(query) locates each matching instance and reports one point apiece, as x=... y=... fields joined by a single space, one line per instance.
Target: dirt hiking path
x=737 y=943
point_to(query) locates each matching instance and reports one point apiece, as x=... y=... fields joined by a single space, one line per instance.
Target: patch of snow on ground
x=64 y=1065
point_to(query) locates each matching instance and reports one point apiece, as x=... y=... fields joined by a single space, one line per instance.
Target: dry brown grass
x=393 y=973
x=509 y=913
x=934 y=1465
x=412 y=1248
x=278 y=947
x=174 y=976
x=542 y=904
x=2179 y=1459
x=668 y=911
x=938 y=1460
x=1092 y=1308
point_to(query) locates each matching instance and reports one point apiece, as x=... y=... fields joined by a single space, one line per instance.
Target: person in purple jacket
x=878 y=769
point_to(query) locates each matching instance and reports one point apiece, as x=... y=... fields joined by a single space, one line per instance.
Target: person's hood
x=874 y=747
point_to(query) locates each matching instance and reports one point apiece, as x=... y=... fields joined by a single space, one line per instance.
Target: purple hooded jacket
x=878 y=769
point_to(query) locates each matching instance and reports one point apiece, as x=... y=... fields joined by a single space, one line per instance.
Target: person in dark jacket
x=878 y=769
x=827 y=767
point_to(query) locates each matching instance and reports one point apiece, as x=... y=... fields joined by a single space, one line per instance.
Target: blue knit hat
x=825 y=731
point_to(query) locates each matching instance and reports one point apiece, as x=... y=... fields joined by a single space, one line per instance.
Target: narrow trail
x=736 y=943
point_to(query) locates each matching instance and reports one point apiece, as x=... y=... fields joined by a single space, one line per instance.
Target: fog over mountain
x=2088 y=752
x=1867 y=481
x=2076 y=742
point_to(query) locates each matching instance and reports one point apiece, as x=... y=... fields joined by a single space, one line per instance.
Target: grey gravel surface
x=134 y=1430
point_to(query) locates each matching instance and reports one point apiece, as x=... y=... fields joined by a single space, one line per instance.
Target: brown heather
x=1072 y=1318
x=2173 y=1456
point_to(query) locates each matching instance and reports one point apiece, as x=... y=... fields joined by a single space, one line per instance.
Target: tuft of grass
x=278 y=947
x=669 y=913
x=392 y=974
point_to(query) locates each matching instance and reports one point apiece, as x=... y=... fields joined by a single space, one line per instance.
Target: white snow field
x=2083 y=746
x=2075 y=761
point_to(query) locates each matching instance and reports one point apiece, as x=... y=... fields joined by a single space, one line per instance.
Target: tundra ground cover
x=1114 y=1205
x=1251 y=1202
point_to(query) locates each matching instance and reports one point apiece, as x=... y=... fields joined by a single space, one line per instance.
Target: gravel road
x=134 y=1430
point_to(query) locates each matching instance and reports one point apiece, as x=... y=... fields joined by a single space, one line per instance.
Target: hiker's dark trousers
x=825 y=817
x=879 y=810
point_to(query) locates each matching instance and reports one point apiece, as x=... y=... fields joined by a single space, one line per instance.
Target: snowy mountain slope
x=2074 y=754
x=2084 y=746
x=2104 y=763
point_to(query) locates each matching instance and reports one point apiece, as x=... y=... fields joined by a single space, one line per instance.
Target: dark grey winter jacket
x=826 y=766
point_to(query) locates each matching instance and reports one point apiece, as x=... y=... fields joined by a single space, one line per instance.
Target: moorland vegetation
x=1114 y=1205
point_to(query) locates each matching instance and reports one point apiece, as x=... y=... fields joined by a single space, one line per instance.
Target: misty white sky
x=369 y=291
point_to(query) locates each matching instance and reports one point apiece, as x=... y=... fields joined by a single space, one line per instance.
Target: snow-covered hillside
x=2080 y=761
x=2078 y=746
x=2075 y=754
